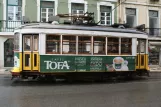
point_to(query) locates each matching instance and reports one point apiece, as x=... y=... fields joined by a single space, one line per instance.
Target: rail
x=8 y=26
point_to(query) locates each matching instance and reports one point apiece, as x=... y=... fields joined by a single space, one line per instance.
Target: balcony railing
x=9 y=26
x=153 y=31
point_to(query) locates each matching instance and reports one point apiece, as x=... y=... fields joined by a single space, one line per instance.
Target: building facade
x=106 y=12
x=148 y=12
x=12 y=12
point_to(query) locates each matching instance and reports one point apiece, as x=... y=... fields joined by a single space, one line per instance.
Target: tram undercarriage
x=80 y=75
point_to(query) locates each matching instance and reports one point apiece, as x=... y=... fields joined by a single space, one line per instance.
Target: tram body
x=68 y=50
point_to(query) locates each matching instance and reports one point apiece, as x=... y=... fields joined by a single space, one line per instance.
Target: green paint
x=54 y=63
x=16 y=59
x=31 y=9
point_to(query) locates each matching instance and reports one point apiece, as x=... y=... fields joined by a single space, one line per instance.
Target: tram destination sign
x=54 y=63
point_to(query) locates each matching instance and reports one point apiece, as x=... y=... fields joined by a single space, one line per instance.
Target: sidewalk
x=5 y=71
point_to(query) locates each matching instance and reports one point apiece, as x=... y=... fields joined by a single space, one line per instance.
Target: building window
x=131 y=17
x=77 y=8
x=113 y=46
x=47 y=9
x=14 y=8
x=84 y=45
x=126 y=44
x=52 y=44
x=153 y=22
x=99 y=45
x=105 y=15
x=69 y=44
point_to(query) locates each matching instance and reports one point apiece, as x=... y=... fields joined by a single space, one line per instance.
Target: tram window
x=84 y=45
x=142 y=46
x=126 y=46
x=99 y=45
x=113 y=46
x=16 y=42
x=69 y=44
x=138 y=46
x=52 y=44
x=27 y=42
x=35 y=42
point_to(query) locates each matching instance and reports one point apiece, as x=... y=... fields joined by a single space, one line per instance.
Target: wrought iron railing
x=9 y=26
x=153 y=31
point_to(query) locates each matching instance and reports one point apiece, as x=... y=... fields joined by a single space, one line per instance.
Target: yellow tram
x=73 y=51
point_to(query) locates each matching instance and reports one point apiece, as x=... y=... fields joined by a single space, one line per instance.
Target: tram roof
x=77 y=27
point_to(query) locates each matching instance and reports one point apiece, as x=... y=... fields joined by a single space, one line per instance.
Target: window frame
x=90 y=52
x=14 y=6
x=69 y=44
x=105 y=16
x=46 y=10
x=59 y=45
x=117 y=43
x=99 y=45
x=129 y=44
x=135 y=16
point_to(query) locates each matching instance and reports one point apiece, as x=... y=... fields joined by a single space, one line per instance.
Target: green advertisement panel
x=54 y=63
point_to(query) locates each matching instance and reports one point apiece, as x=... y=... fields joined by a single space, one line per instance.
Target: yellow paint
x=145 y=62
x=31 y=66
x=15 y=69
x=36 y=68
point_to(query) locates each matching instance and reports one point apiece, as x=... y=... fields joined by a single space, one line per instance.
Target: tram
x=72 y=51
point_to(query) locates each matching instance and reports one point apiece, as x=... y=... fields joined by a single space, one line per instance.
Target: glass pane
x=14 y=2
x=43 y=14
x=36 y=42
x=53 y=44
x=108 y=14
x=131 y=21
x=43 y=19
x=81 y=12
x=84 y=45
x=102 y=14
x=69 y=44
x=99 y=45
x=43 y=9
x=51 y=10
x=131 y=11
x=27 y=43
x=77 y=6
x=102 y=18
x=142 y=46
x=16 y=41
x=108 y=18
x=113 y=46
x=126 y=45
x=74 y=11
x=153 y=13
x=47 y=4
x=102 y=22
x=108 y=22
x=105 y=8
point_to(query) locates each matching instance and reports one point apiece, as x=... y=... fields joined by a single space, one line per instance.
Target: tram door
x=141 y=61
x=30 y=52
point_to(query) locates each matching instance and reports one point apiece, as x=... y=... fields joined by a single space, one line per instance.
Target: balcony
x=153 y=32
x=8 y=26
